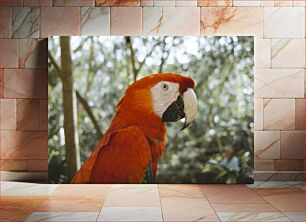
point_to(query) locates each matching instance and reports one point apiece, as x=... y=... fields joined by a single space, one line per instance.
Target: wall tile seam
x=27 y=165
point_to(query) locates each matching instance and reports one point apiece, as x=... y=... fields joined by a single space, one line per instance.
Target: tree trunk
x=70 y=114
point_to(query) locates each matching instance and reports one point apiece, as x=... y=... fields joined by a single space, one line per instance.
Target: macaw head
x=169 y=96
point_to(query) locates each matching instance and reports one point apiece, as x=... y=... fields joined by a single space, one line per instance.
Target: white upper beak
x=190 y=106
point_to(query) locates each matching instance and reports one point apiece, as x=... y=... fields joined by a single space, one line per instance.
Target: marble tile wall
x=278 y=27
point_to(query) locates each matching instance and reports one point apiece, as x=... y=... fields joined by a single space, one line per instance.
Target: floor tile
x=266 y=192
x=14 y=208
x=26 y=189
x=71 y=204
x=187 y=209
x=182 y=190
x=251 y=216
x=83 y=190
x=262 y=207
x=133 y=196
x=130 y=214
x=230 y=194
x=296 y=216
x=285 y=200
x=63 y=216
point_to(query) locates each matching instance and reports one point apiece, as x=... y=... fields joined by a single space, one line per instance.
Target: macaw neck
x=149 y=123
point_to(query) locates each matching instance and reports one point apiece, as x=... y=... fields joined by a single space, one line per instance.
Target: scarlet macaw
x=131 y=147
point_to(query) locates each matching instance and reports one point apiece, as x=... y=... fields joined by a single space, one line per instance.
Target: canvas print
x=155 y=109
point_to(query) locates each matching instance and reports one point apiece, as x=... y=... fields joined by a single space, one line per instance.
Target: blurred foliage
x=216 y=148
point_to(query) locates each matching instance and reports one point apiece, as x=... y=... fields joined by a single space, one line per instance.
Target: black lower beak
x=175 y=111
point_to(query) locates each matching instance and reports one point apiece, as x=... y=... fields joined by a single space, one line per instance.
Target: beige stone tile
x=95 y=21
x=266 y=3
x=282 y=49
x=210 y=3
x=263 y=165
x=133 y=196
x=23 y=144
x=160 y=21
x=25 y=22
x=187 y=209
x=71 y=204
x=182 y=190
x=304 y=83
x=18 y=208
x=37 y=2
x=186 y=3
x=27 y=114
x=73 y=2
x=292 y=144
x=279 y=114
x=278 y=83
x=278 y=19
x=300 y=114
x=262 y=53
x=252 y=216
x=246 y=3
x=267 y=145
x=64 y=216
x=262 y=207
x=51 y=17
x=8 y=53
x=43 y=114
x=299 y=3
x=258 y=114
x=295 y=216
x=289 y=165
x=146 y=2
x=163 y=3
x=123 y=3
x=8 y=114
x=278 y=175
x=283 y=3
x=33 y=53
x=25 y=83
x=232 y=21
x=119 y=16
x=130 y=214
x=1 y=83
x=272 y=192
x=13 y=165
x=230 y=194
x=5 y=22
x=37 y=165
x=91 y=191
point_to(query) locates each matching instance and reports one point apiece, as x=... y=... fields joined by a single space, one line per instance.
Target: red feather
x=135 y=137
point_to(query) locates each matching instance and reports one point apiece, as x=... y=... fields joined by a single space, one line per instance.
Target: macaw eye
x=165 y=87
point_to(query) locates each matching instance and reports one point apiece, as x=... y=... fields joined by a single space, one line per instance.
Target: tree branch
x=81 y=45
x=132 y=56
x=70 y=113
x=54 y=63
x=162 y=58
x=87 y=108
x=90 y=66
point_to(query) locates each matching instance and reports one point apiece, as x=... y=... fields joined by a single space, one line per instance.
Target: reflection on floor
x=266 y=201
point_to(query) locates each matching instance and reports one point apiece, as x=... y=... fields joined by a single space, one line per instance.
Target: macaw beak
x=185 y=106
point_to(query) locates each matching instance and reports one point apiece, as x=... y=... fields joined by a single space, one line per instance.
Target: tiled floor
x=268 y=201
